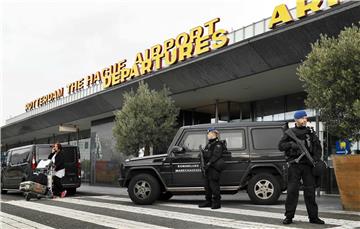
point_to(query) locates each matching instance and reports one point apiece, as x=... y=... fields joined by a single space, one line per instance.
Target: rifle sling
x=292 y=135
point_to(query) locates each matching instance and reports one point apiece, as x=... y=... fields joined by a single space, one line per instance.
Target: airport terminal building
x=214 y=75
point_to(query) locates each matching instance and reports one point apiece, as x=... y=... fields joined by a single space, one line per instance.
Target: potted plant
x=331 y=79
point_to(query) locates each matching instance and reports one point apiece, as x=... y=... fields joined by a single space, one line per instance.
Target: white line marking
x=209 y=220
x=98 y=219
x=303 y=208
x=12 y=221
x=341 y=222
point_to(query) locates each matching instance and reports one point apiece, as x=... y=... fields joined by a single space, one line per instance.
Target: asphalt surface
x=110 y=207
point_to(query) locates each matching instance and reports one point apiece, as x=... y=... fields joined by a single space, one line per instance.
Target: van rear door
x=71 y=158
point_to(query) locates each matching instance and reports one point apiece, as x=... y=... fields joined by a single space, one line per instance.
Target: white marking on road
x=303 y=208
x=201 y=219
x=98 y=219
x=341 y=222
x=12 y=221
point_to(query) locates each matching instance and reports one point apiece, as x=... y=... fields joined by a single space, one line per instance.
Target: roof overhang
x=263 y=66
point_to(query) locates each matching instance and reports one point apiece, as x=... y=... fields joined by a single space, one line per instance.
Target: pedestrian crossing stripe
x=302 y=208
x=98 y=219
x=114 y=222
x=202 y=219
x=239 y=211
x=12 y=221
x=200 y=216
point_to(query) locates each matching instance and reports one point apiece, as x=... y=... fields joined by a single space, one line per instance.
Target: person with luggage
x=301 y=168
x=213 y=166
x=58 y=159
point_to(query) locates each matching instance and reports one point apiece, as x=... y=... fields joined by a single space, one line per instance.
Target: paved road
x=101 y=207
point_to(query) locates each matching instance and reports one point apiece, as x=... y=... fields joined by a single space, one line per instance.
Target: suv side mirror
x=177 y=150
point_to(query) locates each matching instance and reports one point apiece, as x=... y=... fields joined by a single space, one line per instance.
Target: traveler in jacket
x=58 y=159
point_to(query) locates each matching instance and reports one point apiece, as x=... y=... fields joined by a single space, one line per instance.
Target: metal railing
x=235 y=36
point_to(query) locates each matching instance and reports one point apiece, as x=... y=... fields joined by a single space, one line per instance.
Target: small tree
x=147 y=119
x=331 y=73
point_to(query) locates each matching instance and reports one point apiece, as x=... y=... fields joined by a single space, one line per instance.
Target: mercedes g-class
x=253 y=163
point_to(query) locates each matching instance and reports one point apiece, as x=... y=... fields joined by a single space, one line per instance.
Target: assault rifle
x=202 y=162
x=303 y=149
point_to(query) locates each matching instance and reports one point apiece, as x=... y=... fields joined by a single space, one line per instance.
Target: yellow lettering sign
x=170 y=52
x=303 y=7
x=281 y=14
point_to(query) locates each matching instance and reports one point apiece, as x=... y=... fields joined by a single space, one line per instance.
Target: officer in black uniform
x=301 y=170
x=214 y=164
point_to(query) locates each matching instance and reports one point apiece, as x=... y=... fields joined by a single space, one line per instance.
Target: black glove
x=207 y=165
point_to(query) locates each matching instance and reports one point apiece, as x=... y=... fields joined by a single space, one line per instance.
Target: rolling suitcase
x=32 y=187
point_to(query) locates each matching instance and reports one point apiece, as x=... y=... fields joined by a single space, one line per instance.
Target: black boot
x=216 y=204
x=287 y=221
x=317 y=221
x=205 y=204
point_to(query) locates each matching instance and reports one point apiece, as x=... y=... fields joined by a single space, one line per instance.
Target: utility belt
x=218 y=165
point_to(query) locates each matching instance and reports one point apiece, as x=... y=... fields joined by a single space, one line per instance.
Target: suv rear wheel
x=264 y=189
x=144 y=189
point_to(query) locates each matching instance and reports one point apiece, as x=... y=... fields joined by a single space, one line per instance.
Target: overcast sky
x=47 y=44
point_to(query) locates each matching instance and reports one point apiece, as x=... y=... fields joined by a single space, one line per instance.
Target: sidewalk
x=97 y=189
x=326 y=202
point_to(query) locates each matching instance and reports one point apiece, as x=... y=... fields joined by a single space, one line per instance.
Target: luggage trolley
x=33 y=189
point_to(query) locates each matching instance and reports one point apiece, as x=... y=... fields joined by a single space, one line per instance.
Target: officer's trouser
x=212 y=185
x=295 y=173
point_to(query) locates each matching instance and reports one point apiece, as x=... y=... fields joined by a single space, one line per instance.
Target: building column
x=228 y=111
x=183 y=118
x=252 y=111
x=216 y=111
x=192 y=117
x=77 y=136
x=241 y=113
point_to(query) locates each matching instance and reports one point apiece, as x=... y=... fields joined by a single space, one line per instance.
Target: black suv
x=21 y=162
x=253 y=163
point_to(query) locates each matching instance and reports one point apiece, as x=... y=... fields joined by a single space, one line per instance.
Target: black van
x=21 y=161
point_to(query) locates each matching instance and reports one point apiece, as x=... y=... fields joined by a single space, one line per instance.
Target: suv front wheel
x=264 y=189
x=144 y=189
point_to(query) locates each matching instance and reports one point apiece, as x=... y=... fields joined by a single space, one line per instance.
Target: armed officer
x=301 y=169
x=214 y=164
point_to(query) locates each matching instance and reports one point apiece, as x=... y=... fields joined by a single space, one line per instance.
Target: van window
x=69 y=154
x=266 y=138
x=235 y=139
x=193 y=140
x=19 y=156
x=43 y=153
